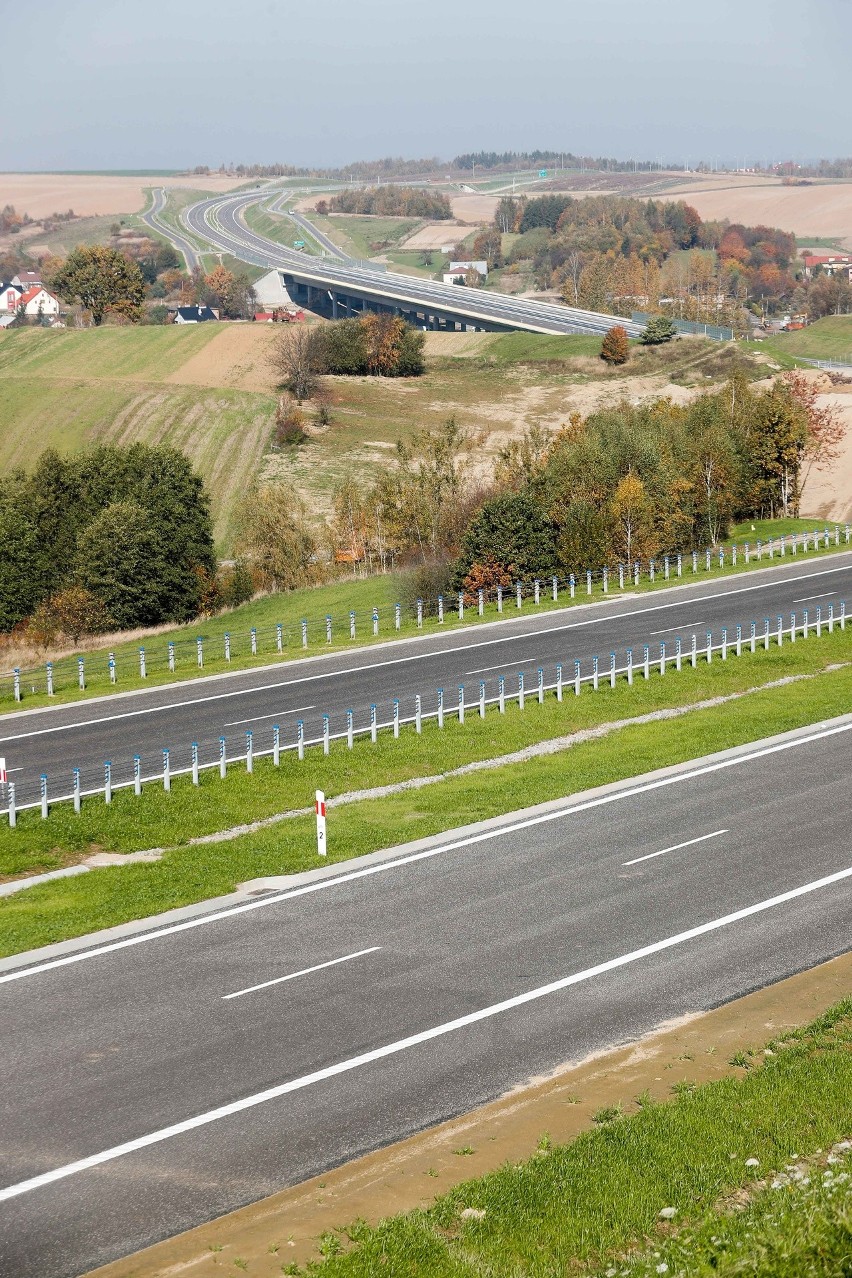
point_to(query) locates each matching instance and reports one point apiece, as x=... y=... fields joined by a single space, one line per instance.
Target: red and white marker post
x=320 y=809
x=4 y=776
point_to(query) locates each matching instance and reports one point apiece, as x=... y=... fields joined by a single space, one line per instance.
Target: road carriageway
x=57 y=740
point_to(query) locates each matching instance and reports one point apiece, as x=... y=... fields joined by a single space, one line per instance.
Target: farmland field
x=65 y=390
x=94 y=194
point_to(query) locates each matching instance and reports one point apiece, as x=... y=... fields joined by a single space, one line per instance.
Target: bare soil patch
x=434 y=235
x=40 y=194
x=695 y=1049
x=236 y=357
x=474 y=210
x=819 y=210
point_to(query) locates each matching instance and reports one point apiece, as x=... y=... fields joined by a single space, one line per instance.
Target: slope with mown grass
x=829 y=338
x=67 y=390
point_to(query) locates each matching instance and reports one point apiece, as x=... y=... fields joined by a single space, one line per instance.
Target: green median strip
x=270 y=630
x=745 y=1175
x=186 y=874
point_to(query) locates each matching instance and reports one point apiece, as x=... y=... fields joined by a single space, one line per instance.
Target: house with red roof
x=828 y=264
x=37 y=301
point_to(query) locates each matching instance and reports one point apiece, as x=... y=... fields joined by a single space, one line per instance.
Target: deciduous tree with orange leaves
x=615 y=348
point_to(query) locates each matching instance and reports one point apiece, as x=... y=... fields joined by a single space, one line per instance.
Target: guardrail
x=668 y=656
x=318 y=633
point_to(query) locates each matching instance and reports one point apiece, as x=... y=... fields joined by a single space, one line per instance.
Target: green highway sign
x=298 y=244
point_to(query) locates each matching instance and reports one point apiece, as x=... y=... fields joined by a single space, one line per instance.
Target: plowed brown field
x=92 y=195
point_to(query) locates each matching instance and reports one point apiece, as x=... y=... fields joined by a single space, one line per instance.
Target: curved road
x=220 y=221
x=151 y=217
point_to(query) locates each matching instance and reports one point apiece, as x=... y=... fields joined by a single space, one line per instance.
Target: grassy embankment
x=336 y=600
x=744 y=1162
x=278 y=227
x=829 y=338
x=67 y=390
x=185 y=874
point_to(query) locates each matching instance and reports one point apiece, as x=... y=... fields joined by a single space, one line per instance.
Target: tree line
x=369 y=345
x=627 y=482
x=391 y=201
x=615 y=253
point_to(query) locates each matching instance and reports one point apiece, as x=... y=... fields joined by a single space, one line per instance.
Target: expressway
x=56 y=740
x=157 y=1080
x=220 y=221
x=151 y=217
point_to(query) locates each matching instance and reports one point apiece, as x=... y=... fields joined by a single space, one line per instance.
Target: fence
x=189 y=655
x=665 y=657
x=718 y=332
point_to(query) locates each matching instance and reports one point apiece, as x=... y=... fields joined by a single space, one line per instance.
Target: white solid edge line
x=382 y=867
x=306 y=971
x=413 y=1040
x=675 y=847
x=396 y=661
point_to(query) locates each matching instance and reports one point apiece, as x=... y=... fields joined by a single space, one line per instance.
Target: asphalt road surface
x=180 y=1073
x=220 y=221
x=152 y=218
x=55 y=741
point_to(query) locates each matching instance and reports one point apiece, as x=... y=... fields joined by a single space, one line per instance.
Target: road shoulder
x=285 y=1228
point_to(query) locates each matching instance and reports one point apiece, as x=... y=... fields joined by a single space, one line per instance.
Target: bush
x=289 y=423
x=72 y=614
x=426 y=581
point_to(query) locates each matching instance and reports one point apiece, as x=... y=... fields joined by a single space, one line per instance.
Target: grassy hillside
x=68 y=389
x=829 y=338
x=208 y=390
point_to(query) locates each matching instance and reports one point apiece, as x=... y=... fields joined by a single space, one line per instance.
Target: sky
x=174 y=83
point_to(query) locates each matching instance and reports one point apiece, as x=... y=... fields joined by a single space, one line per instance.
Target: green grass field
x=717 y=1154
x=277 y=227
x=185 y=874
x=355 y=235
x=829 y=338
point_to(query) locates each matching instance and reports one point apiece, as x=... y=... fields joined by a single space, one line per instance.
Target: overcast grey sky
x=167 y=83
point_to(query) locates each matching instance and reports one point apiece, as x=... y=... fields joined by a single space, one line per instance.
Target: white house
x=37 y=301
x=27 y=279
x=10 y=295
x=458 y=270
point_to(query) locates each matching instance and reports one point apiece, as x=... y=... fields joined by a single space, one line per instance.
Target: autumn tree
x=826 y=429
x=488 y=247
x=504 y=218
x=633 y=514
x=274 y=538
x=101 y=279
x=420 y=497
x=72 y=614
x=615 y=348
